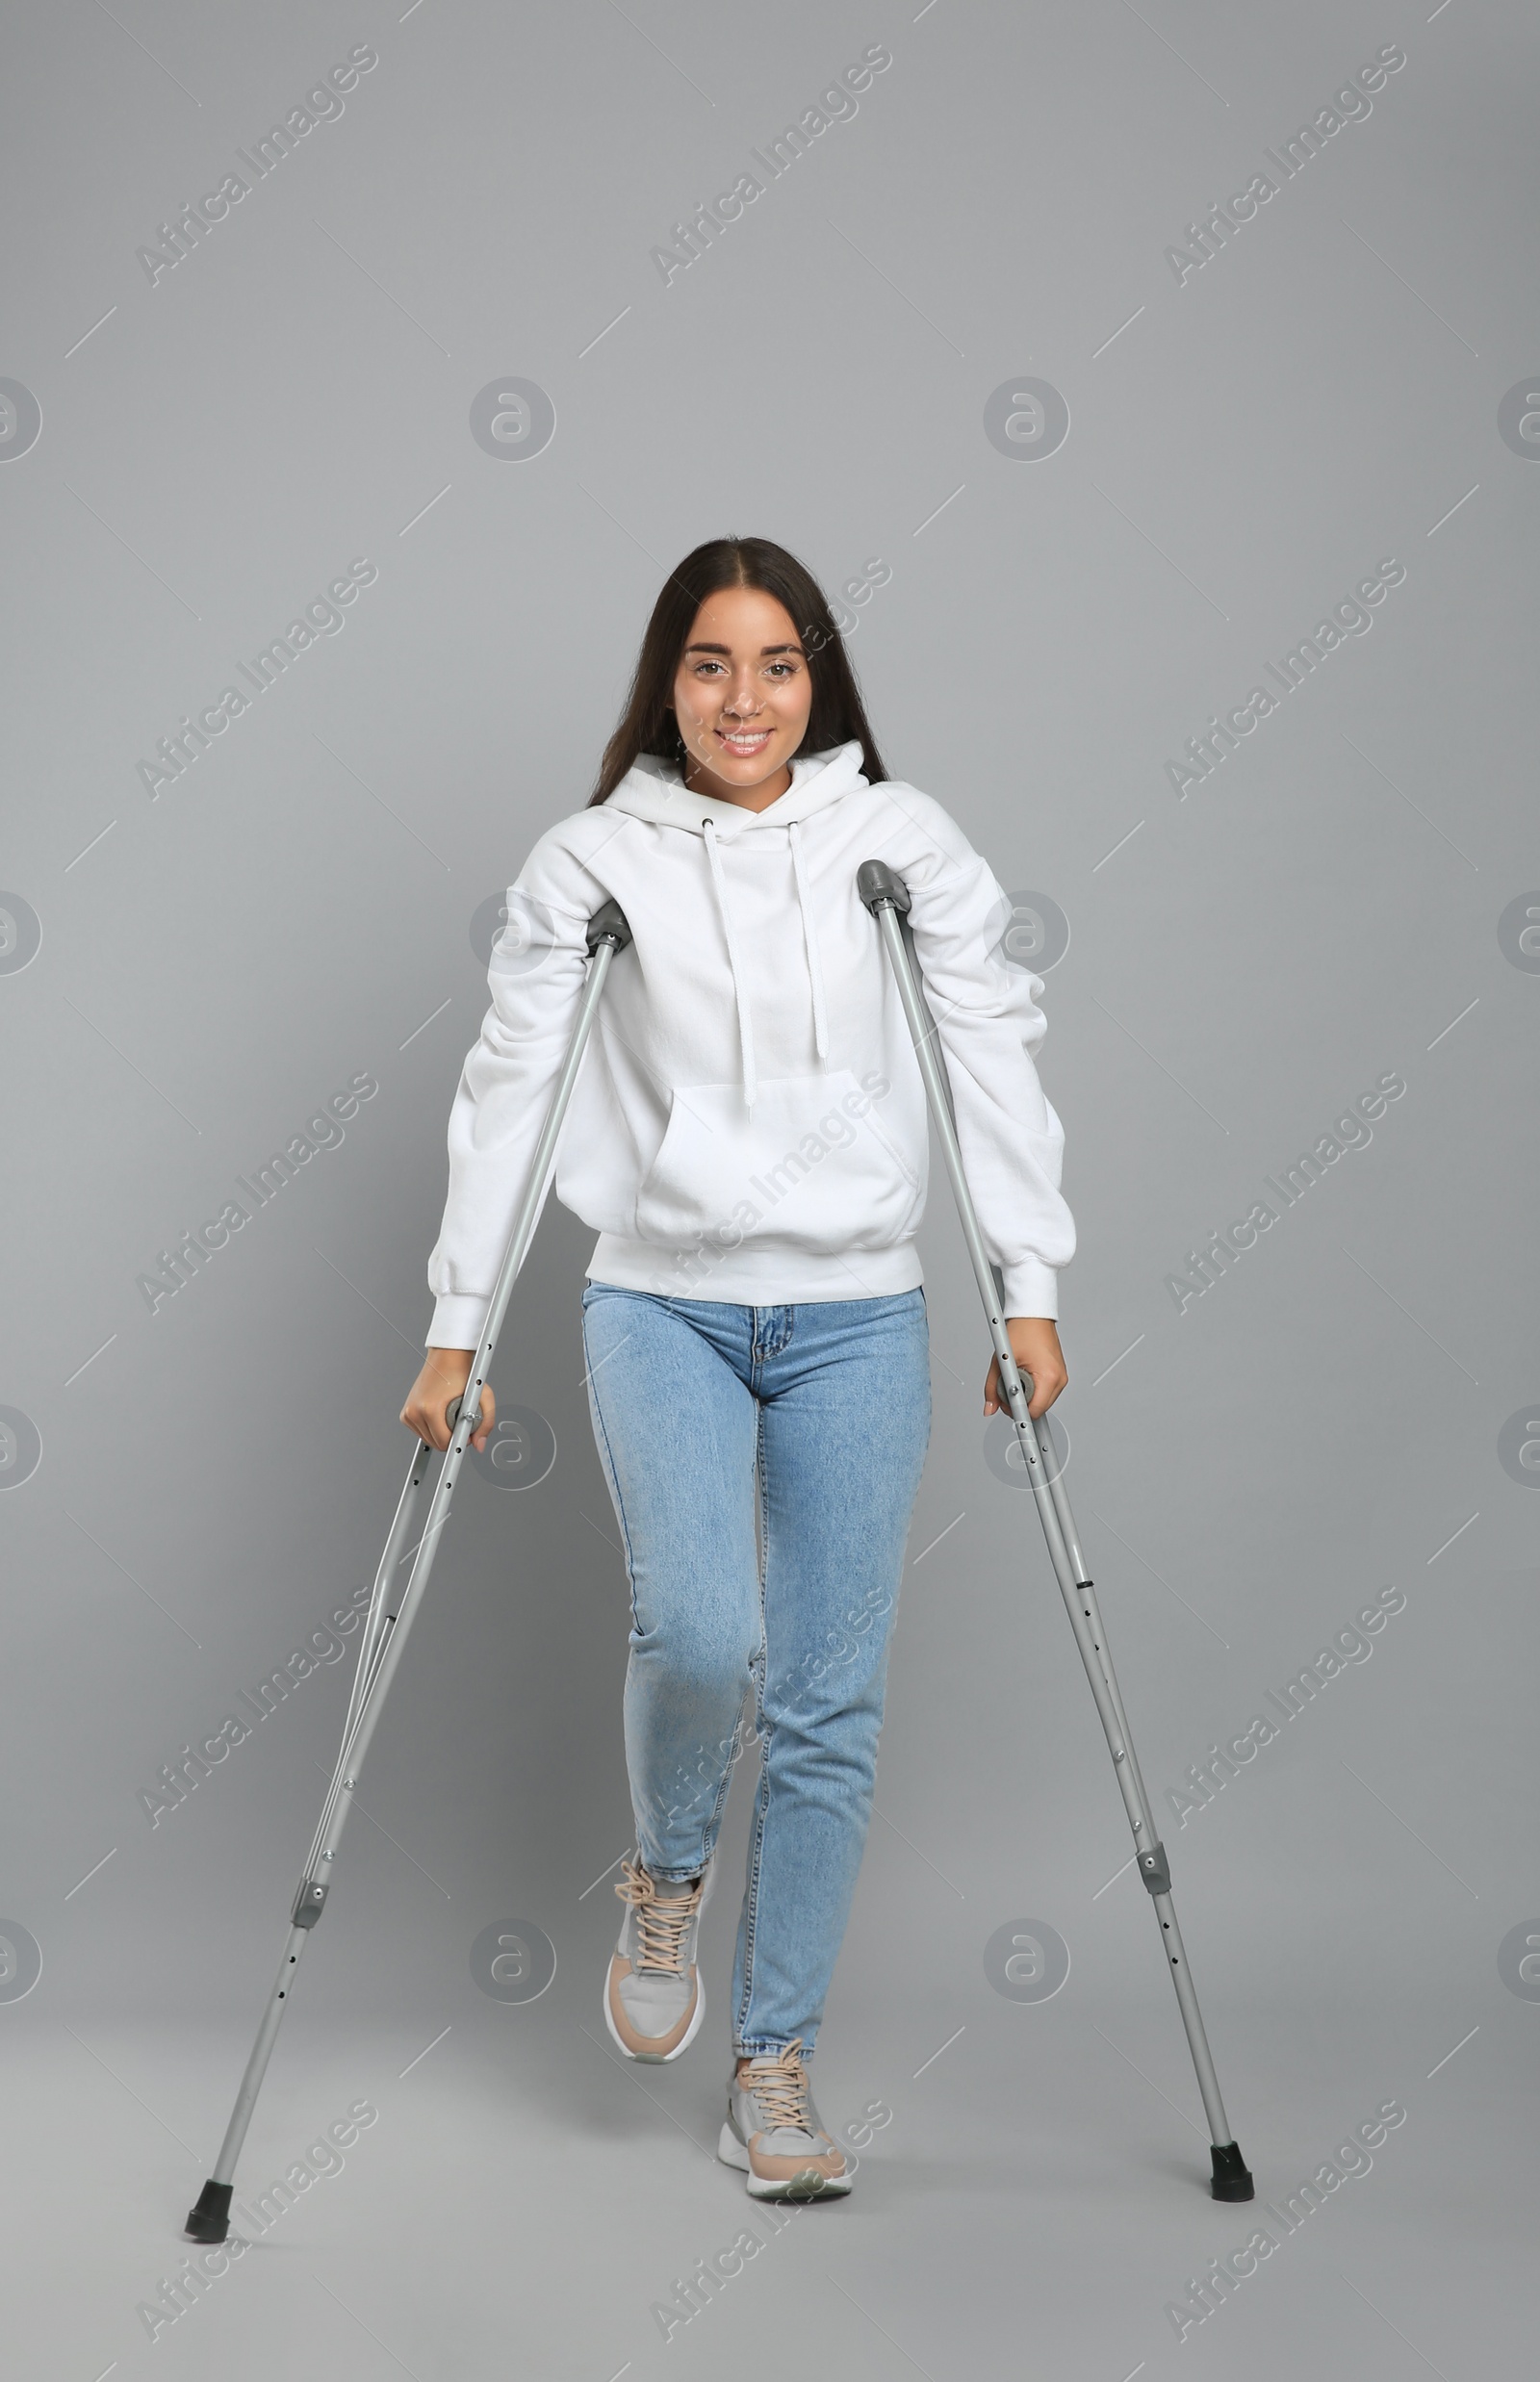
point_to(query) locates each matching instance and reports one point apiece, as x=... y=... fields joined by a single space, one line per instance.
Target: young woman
x=748 y=1137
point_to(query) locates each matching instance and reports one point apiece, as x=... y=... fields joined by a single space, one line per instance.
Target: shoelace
x=782 y=2091
x=661 y=1925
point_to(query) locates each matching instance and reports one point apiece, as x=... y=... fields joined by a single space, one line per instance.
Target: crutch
x=391 y=1614
x=886 y=896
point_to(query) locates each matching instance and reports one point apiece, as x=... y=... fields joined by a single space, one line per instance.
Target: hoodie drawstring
x=810 y=935
x=735 y=961
x=740 y=989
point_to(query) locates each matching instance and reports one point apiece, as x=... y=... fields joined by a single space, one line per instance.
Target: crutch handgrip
x=876 y=883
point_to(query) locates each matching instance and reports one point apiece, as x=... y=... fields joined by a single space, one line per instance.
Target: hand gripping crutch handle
x=393 y=1609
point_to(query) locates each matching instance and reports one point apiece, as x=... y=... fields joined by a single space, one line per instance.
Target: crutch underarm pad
x=607 y=925
x=876 y=882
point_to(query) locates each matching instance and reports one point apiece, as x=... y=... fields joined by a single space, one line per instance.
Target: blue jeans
x=830 y=1404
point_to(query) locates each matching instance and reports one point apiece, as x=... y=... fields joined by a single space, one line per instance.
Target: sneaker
x=654 y=2003
x=774 y=2134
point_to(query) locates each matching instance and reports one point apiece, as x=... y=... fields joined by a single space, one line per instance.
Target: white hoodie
x=749 y=1122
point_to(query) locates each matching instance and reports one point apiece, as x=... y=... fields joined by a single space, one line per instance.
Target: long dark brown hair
x=648 y=724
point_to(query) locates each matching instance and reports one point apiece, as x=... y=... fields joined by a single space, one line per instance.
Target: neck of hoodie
x=653 y=790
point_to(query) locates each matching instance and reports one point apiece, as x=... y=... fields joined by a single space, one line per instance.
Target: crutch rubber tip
x=209 y=2219
x=1232 y=2177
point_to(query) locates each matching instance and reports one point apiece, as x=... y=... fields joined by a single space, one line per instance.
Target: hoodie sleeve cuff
x=458 y=1321
x=1032 y=1288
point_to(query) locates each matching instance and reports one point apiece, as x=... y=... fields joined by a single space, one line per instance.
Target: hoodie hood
x=653 y=790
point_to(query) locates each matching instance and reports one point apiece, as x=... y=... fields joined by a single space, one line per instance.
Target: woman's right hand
x=441 y=1380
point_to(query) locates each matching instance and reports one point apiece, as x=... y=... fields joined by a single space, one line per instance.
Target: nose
x=742 y=702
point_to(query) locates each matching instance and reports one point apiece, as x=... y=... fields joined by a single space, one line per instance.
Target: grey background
x=215 y=1478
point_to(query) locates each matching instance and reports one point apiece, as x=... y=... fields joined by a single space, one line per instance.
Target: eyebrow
x=728 y=649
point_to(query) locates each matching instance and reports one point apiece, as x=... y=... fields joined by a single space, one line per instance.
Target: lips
x=753 y=743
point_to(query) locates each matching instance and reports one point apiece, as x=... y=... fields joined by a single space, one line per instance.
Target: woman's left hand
x=1035 y=1346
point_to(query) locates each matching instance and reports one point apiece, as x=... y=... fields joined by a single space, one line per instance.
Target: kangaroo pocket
x=816 y=1164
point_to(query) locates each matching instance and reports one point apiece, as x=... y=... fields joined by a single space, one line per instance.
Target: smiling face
x=742 y=696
